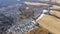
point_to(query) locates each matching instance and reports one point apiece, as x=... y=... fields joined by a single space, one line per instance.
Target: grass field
x=40 y=30
x=48 y=23
x=51 y=23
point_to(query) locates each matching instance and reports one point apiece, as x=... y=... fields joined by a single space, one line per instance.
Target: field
x=49 y=23
x=40 y=30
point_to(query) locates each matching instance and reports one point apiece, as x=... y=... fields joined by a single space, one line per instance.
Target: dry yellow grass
x=36 y=4
x=56 y=13
x=58 y=1
x=56 y=7
x=51 y=23
x=39 y=31
x=42 y=4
